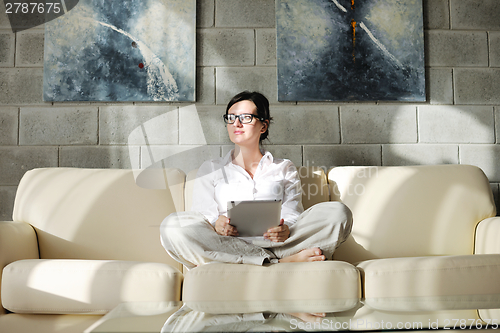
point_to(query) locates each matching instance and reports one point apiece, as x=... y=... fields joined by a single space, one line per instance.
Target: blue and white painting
x=126 y=50
x=350 y=50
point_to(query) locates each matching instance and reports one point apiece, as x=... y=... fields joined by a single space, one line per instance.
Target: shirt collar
x=266 y=159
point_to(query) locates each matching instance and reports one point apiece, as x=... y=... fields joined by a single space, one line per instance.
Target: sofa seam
x=435 y=269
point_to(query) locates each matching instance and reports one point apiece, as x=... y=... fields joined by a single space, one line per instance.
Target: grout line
x=417 y=123
x=98 y=123
x=488 y=41
x=453 y=102
x=340 y=125
x=15 y=49
x=302 y=149
x=495 y=110
x=18 y=126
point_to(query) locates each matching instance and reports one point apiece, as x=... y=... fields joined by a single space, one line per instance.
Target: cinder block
x=184 y=157
x=7 y=196
x=29 y=49
x=159 y=123
x=206 y=126
x=205 y=11
x=436 y=14
x=439 y=86
x=483 y=156
x=497 y=124
x=456 y=124
x=477 y=86
x=495 y=48
x=225 y=47
x=244 y=13
x=231 y=81
x=4 y=19
x=266 y=47
x=378 y=124
x=58 y=126
x=457 y=48
x=15 y=161
x=475 y=14
x=9 y=125
x=314 y=124
x=329 y=156
x=419 y=154
x=25 y=22
x=7 y=48
x=21 y=86
x=292 y=153
x=105 y=157
x=205 y=85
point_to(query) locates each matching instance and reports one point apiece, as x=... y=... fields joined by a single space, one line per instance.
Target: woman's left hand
x=279 y=233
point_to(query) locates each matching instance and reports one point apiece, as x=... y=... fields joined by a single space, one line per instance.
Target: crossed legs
x=191 y=240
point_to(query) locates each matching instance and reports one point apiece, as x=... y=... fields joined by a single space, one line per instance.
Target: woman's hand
x=223 y=228
x=278 y=234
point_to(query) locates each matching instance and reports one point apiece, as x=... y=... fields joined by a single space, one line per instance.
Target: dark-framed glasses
x=245 y=118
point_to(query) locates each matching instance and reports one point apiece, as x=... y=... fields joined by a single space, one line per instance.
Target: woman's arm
x=204 y=200
x=291 y=207
x=204 y=192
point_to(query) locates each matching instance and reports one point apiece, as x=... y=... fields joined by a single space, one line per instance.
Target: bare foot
x=313 y=254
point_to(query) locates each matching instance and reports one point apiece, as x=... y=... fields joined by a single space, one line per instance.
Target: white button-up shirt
x=220 y=180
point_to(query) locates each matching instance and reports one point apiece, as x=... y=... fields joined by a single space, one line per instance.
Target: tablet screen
x=255 y=217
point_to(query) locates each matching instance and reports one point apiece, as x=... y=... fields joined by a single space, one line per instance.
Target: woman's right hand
x=223 y=228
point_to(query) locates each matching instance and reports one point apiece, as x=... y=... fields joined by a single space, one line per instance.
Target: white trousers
x=191 y=240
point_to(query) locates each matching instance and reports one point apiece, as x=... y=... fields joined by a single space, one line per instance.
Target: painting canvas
x=350 y=50
x=127 y=50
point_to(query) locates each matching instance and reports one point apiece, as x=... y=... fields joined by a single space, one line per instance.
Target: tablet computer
x=254 y=217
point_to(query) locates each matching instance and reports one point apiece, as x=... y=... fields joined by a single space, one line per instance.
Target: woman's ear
x=265 y=125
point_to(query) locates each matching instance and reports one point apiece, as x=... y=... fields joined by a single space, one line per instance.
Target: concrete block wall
x=236 y=50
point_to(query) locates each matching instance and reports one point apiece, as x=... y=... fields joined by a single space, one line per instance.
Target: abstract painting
x=127 y=50
x=350 y=50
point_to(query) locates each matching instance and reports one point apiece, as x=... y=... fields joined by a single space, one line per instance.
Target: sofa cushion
x=311 y=282
x=431 y=278
x=411 y=211
x=97 y=213
x=85 y=286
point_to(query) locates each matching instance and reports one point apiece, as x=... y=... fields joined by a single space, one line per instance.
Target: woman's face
x=245 y=134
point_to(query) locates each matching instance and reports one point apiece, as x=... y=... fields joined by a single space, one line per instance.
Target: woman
x=205 y=234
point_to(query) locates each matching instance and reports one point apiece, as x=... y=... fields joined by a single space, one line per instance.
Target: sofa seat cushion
x=227 y=285
x=424 y=279
x=85 y=286
x=47 y=323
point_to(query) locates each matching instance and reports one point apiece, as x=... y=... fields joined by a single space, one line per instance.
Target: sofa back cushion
x=313 y=182
x=97 y=213
x=411 y=211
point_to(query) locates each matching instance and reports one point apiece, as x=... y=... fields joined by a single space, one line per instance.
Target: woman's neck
x=247 y=158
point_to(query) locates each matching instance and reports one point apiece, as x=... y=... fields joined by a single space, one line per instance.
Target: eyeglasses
x=245 y=118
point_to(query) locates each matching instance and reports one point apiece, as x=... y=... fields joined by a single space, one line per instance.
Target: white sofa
x=84 y=240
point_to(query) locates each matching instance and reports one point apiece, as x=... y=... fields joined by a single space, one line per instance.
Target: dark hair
x=260 y=102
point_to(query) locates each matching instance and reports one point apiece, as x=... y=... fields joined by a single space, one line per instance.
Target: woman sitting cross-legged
x=247 y=172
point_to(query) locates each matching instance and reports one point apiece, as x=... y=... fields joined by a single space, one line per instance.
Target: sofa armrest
x=487 y=236
x=17 y=241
